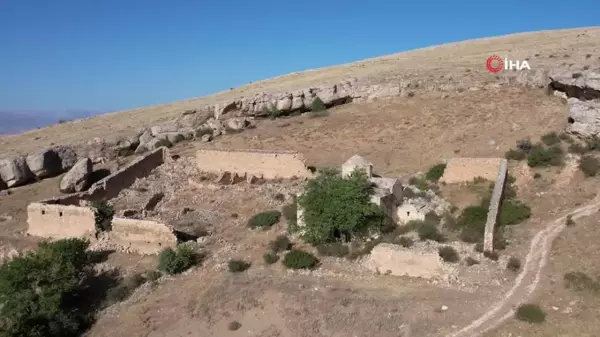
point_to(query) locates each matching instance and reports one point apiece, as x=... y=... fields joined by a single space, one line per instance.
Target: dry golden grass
x=463 y=62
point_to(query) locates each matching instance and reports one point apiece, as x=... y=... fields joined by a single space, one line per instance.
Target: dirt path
x=528 y=279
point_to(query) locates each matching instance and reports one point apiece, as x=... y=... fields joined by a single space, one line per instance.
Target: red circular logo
x=497 y=60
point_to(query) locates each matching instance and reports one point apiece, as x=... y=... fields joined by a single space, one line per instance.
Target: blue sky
x=112 y=55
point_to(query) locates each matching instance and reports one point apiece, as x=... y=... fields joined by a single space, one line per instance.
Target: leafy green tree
x=336 y=207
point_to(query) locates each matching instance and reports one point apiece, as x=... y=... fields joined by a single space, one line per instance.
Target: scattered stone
x=444 y=308
x=206 y=138
x=15 y=172
x=76 y=180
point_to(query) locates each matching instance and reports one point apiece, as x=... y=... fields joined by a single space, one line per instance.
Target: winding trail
x=529 y=277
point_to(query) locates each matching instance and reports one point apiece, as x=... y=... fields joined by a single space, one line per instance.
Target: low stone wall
x=461 y=170
x=260 y=163
x=492 y=217
x=141 y=236
x=60 y=221
x=69 y=216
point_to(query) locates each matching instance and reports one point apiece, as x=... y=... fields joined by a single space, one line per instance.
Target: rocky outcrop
x=584 y=118
x=15 y=172
x=3 y=185
x=582 y=90
x=583 y=85
x=77 y=179
x=51 y=161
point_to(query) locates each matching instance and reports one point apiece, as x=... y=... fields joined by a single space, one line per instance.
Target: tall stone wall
x=142 y=236
x=60 y=221
x=492 y=216
x=265 y=164
x=459 y=170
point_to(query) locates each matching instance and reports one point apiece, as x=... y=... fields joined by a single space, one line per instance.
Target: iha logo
x=495 y=64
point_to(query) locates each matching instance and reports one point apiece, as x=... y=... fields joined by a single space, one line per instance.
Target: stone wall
x=492 y=217
x=260 y=163
x=60 y=221
x=141 y=236
x=461 y=170
x=69 y=216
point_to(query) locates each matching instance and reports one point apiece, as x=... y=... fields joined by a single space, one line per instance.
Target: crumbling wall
x=69 y=216
x=110 y=186
x=60 y=221
x=260 y=163
x=459 y=170
x=142 y=236
x=492 y=216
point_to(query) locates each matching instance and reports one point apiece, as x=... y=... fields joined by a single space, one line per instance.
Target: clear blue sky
x=110 y=55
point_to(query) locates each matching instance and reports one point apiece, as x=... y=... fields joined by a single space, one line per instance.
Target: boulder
x=235 y=124
x=327 y=93
x=536 y=79
x=68 y=156
x=127 y=146
x=297 y=100
x=584 y=118
x=171 y=126
x=145 y=137
x=173 y=137
x=152 y=144
x=284 y=103
x=45 y=163
x=15 y=172
x=77 y=179
x=224 y=108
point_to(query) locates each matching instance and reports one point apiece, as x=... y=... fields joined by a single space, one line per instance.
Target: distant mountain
x=15 y=121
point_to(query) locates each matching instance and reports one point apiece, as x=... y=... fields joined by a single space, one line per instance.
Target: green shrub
x=530 y=313
x=435 y=172
x=153 y=275
x=270 y=257
x=471 y=261
x=491 y=255
x=175 y=261
x=317 y=105
x=472 y=222
x=336 y=249
x=432 y=217
x=515 y=155
x=540 y=156
x=203 y=131
x=429 y=231
x=165 y=142
x=280 y=244
x=513 y=212
x=579 y=281
x=593 y=144
x=550 y=139
x=569 y=221
x=577 y=148
x=336 y=207
x=479 y=247
x=179 y=138
x=537 y=175
x=448 y=254
x=513 y=264
x=237 y=266
x=123 y=290
x=39 y=290
x=589 y=165
x=299 y=259
x=103 y=215
x=420 y=183
x=264 y=220
x=404 y=241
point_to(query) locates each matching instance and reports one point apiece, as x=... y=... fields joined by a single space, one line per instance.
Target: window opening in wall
x=43 y=212
x=59 y=213
x=407 y=213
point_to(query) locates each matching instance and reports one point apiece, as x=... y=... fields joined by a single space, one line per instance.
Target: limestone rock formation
x=584 y=118
x=77 y=179
x=584 y=85
x=15 y=172
x=45 y=163
x=68 y=156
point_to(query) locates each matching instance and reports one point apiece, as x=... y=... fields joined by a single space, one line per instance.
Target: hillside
x=444 y=68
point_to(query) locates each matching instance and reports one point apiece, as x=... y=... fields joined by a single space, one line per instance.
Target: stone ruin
x=72 y=215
